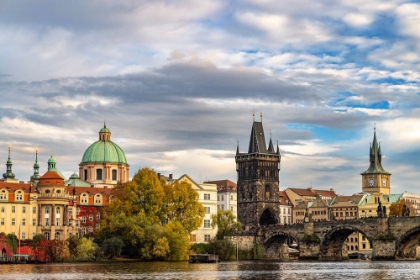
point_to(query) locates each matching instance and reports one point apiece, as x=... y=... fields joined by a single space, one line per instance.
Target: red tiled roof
x=90 y=190
x=51 y=178
x=224 y=185
x=284 y=199
x=15 y=186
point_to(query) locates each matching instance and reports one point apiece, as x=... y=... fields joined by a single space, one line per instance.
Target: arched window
x=57 y=210
x=47 y=210
x=114 y=174
x=98 y=199
x=85 y=174
x=84 y=198
x=47 y=235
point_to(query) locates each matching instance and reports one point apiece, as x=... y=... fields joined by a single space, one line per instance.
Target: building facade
x=226 y=195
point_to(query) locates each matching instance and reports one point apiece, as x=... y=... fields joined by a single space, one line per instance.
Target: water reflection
x=225 y=270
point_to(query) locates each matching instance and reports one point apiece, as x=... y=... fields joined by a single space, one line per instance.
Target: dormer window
x=98 y=199
x=84 y=198
x=3 y=195
x=47 y=191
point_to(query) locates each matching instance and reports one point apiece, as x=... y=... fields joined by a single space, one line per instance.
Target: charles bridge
x=391 y=238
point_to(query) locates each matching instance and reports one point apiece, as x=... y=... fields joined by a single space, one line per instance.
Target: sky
x=177 y=83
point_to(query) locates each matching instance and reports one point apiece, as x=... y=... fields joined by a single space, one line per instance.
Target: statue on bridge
x=380 y=210
x=405 y=211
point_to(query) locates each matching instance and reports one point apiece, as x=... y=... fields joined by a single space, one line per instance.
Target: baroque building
x=376 y=179
x=103 y=163
x=258 y=181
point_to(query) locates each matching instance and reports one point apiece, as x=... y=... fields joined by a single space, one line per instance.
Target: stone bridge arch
x=273 y=242
x=332 y=242
x=406 y=246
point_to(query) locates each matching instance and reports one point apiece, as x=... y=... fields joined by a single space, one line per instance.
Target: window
x=70 y=211
x=47 y=210
x=231 y=197
x=77 y=211
x=33 y=234
x=23 y=222
x=90 y=229
x=23 y=209
x=364 y=246
x=207 y=210
x=207 y=196
x=3 y=195
x=98 y=174
x=90 y=217
x=218 y=197
x=98 y=226
x=2 y=209
x=34 y=209
x=34 y=222
x=13 y=209
x=84 y=198
x=222 y=207
x=19 y=196
x=83 y=231
x=193 y=238
x=57 y=235
x=206 y=237
x=57 y=221
x=2 y=221
x=231 y=208
x=13 y=221
x=84 y=219
x=47 y=235
x=23 y=235
x=85 y=174
x=114 y=174
x=57 y=210
x=47 y=221
x=98 y=199
x=222 y=196
x=98 y=216
x=206 y=223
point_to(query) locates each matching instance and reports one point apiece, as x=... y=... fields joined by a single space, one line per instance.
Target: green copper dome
x=104 y=150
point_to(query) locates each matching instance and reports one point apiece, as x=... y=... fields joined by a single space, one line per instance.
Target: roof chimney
x=170 y=176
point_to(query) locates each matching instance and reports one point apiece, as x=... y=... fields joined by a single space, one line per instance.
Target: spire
x=237 y=146
x=278 y=150
x=375 y=157
x=9 y=174
x=270 y=145
x=35 y=177
x=257 y=142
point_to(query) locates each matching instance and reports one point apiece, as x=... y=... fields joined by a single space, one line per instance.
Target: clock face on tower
x=370 y=182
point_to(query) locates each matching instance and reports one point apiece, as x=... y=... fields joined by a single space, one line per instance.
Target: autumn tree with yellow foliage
x=153 y=218
x=396 y=208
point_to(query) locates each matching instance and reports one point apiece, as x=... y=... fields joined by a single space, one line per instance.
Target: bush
x=200 y=248
x=224 y=248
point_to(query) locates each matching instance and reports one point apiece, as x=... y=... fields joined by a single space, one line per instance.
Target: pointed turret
x=375 y=158
x=35 y=177
x=9 y=174
x=278 y=150
x=257 y=139
x=237 y=147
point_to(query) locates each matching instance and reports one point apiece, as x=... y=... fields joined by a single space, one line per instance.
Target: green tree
x=226 y=224
x=85 y=249
x=12 y=241
x=396 y=208
x=224 y=248
x=73 y=242
x=112 y=247
x=143 y=194
x=178 y=241
x=182 y=205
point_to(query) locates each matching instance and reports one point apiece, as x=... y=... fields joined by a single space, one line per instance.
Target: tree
x=143 y=194
x=182 y=205
x=85 y=249
x=396 y=208
x=73 y=242
x=179 y=242
x=12 y=241
x=112 y=247
x=224 y=248
x=226 y=224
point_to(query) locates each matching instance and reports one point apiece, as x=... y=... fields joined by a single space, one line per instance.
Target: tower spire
x=270 y=145
x=9 y=174
x=237 y=146
x=35 y=177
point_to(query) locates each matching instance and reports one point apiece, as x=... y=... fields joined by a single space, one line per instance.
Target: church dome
x=104 y=150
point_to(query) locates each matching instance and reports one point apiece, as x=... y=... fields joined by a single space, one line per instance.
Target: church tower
x=376 y=178
x=258 y=181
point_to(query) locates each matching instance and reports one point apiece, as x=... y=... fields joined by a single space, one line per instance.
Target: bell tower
x=376 y=178
x=258 y=181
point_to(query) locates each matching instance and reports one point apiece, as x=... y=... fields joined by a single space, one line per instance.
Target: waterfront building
x=376 y=179
x=258 y=181
x=286 y=207
x=226 y=195
x=104 y=164
x=207 y=196
x=297 y=195
x=414 y=200
x=311 y=210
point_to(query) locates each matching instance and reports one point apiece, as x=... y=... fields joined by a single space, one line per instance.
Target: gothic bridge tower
x=376 y=178
x=258 y=181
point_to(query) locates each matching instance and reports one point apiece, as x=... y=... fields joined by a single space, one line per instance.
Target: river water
x=224 y=270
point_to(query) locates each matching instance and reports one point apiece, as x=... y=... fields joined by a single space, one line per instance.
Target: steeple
x=375 y=158
x=270 y=146
x=237 y=147
x=9 y=174
x=35 y=177
x=257 y=139
x=278 y=150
